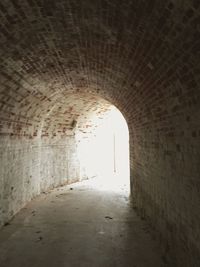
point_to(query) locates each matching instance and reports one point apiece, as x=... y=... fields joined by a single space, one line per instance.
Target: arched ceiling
x=74 y=112
x=135 y=54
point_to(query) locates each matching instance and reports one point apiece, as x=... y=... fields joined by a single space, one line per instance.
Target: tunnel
x=62 y=61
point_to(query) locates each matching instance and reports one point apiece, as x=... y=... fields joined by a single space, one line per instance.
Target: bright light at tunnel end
x=104 y=153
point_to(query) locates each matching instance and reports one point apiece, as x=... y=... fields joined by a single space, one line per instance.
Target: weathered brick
x=62 y=59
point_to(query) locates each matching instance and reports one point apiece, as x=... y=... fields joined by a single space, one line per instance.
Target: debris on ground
x=6 y=223
x=33 y=212
x=108 y=217
x=39 y=239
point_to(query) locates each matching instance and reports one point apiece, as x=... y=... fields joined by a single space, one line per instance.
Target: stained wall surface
x=60 y=60
x=31 y=167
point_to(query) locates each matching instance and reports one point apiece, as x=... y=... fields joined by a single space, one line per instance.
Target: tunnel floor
x=78 y=225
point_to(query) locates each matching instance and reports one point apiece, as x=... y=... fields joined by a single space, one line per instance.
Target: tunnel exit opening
x=104 y=151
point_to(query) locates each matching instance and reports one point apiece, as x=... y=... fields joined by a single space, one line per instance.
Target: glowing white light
x=105 y=154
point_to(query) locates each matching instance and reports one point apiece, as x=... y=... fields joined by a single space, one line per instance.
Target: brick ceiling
x=61 y=59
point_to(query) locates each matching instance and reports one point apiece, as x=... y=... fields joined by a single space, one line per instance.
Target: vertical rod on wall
x=114 y=153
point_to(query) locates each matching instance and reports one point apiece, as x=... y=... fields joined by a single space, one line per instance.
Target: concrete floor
x=83 y=227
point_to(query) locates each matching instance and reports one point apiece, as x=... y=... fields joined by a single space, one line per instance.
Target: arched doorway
x=104 y=153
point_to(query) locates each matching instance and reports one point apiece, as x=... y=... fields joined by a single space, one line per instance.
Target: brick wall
x=30 y=167
x=143 y=57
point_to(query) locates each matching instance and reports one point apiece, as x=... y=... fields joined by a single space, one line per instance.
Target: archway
x=104 y=152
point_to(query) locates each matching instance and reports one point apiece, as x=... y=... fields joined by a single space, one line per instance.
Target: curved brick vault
x=62 y=59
